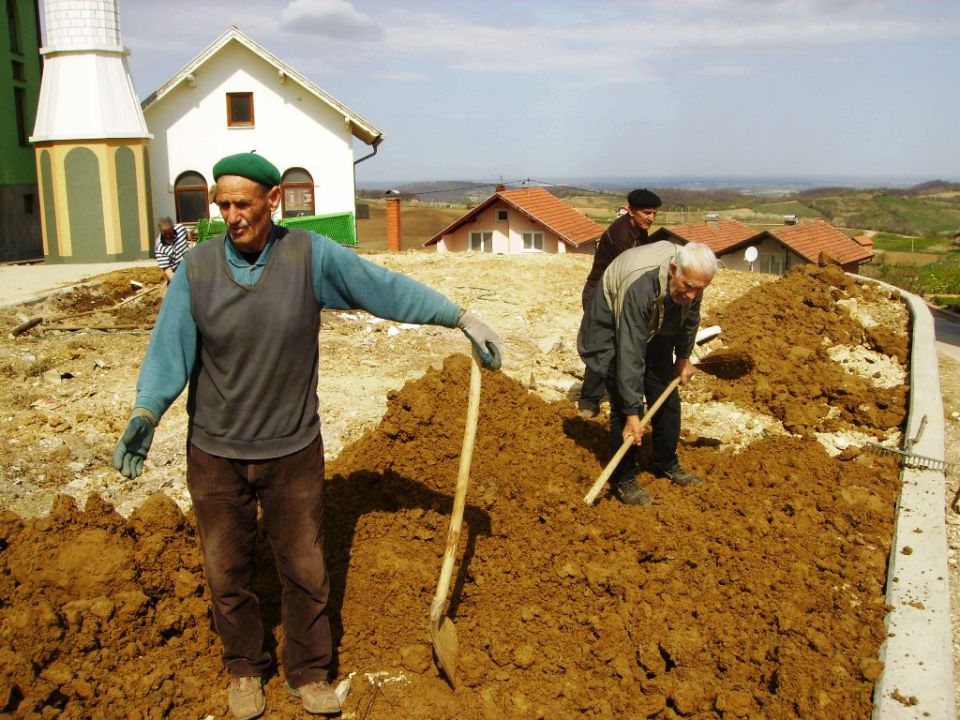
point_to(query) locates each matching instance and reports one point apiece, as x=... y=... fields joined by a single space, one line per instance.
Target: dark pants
x=591 y=391
x=289 y=490
x=658 y=374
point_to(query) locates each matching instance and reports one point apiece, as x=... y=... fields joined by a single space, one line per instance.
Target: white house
x=236 y=96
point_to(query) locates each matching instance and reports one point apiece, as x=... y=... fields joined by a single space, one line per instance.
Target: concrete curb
x=917 y=679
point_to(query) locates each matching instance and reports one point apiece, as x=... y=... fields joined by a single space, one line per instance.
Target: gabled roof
x=718 y=236
x=359 y=127
x=810 y=239
x=572 y=227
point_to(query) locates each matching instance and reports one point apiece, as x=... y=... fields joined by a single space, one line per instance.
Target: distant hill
x=929 y=208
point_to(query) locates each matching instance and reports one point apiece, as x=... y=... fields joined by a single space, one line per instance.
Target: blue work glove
x=134 y=444
x=484 y=339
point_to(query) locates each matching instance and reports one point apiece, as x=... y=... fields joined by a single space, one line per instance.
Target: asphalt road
x=947 y=329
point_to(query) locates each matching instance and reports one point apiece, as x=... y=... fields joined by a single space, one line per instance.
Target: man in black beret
x=240 y=325
x=627 y=231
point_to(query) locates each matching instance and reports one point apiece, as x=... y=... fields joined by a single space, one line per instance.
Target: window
x=18 y=73
x=20 y=105
x=190 y=194
x=296 y=193
x=771 y=264
x=481 y=241
x=12 y=27
x=240 y=109
x=501 y=215
x=533 y=241
x=29 y=203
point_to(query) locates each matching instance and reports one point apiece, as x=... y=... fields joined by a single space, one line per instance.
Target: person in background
x=638 y=333
x=240 y=326
x=629 y=230
x=170 y=246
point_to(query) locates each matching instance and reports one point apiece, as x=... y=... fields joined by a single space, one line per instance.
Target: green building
x=20 y=234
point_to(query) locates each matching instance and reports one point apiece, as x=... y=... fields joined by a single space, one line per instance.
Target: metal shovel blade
x=444 y=636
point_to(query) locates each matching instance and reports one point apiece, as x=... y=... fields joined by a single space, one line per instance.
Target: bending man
x=645 y=312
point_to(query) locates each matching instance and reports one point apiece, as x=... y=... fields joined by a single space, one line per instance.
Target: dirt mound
x=758 y=593
x=788 y=328
x=109 y=300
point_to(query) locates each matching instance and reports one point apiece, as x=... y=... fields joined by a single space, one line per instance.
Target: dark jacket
x=621 y=235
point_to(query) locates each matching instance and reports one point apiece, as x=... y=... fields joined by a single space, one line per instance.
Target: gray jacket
x=632 y=309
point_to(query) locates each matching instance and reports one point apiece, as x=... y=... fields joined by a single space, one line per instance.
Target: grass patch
x=951 y=303
x=906 y=243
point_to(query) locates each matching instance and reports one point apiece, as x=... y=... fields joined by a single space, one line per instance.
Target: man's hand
x=484 y=339
x=632 y=429
x=684 y=369
x=133 y=445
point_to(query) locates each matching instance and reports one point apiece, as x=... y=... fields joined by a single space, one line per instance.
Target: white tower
x=91 y=139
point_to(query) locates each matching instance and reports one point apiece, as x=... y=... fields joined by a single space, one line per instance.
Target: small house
x=777 y=249
x=522 y=220
x=236 y=96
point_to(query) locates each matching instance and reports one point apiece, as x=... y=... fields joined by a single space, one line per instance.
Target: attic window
x=240 y=109
x=501 y=215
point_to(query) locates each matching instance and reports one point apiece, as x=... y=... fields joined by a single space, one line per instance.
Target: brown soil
x=757 y=594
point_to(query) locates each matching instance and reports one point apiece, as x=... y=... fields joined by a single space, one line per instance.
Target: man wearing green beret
x=240 y=325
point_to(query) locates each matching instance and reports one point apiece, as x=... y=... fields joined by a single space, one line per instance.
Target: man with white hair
x=639 y=332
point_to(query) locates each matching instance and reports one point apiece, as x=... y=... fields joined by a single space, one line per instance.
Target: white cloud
x=633 y=49
x=334 y=19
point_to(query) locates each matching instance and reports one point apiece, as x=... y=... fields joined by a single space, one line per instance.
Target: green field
x=787 y=207
x=906 y=243
x=418 y=223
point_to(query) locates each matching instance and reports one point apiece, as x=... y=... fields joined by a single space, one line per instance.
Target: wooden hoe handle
x=612 y=465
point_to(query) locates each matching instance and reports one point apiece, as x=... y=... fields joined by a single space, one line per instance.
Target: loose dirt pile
x=757 y=594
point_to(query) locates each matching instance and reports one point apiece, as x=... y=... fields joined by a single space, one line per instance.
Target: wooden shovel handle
x=612 y=465
x=460 y=495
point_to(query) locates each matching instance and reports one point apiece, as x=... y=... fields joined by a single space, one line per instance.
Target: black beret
x=643 y=198
x=248 y=165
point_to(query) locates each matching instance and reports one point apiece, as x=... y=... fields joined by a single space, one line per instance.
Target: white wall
x=767 y=248
x=507 y=234
x=293 y=128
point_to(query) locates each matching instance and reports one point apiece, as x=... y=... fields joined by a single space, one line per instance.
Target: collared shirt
x=170 y=254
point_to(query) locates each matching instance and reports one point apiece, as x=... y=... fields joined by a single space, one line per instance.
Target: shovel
x=442 y=630
x=612 y=465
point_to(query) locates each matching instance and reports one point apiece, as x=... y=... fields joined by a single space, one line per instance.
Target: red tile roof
x=571 y=226
x=811 y=238
x=718 y=236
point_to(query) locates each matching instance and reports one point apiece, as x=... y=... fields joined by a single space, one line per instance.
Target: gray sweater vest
x=253 y=394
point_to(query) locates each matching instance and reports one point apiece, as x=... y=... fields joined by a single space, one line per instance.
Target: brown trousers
x=289 y=490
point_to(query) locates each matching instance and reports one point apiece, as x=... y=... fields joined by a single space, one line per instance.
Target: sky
x=607 y=88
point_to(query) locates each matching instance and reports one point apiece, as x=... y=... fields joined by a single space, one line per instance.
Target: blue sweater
x=341 y=281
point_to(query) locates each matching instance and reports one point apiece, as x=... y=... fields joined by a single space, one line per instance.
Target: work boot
x=631 y=492
x=246 y=698
x=318 y=697
x=678 y=476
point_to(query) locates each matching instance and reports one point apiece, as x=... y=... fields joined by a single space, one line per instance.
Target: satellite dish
x=750 y=255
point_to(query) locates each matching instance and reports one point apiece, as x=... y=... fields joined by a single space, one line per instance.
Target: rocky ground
x=758 y=593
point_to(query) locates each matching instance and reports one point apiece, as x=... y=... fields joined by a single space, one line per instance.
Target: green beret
x=248 y=165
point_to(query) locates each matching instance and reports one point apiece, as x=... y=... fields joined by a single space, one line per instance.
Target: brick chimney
x=393 y=224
